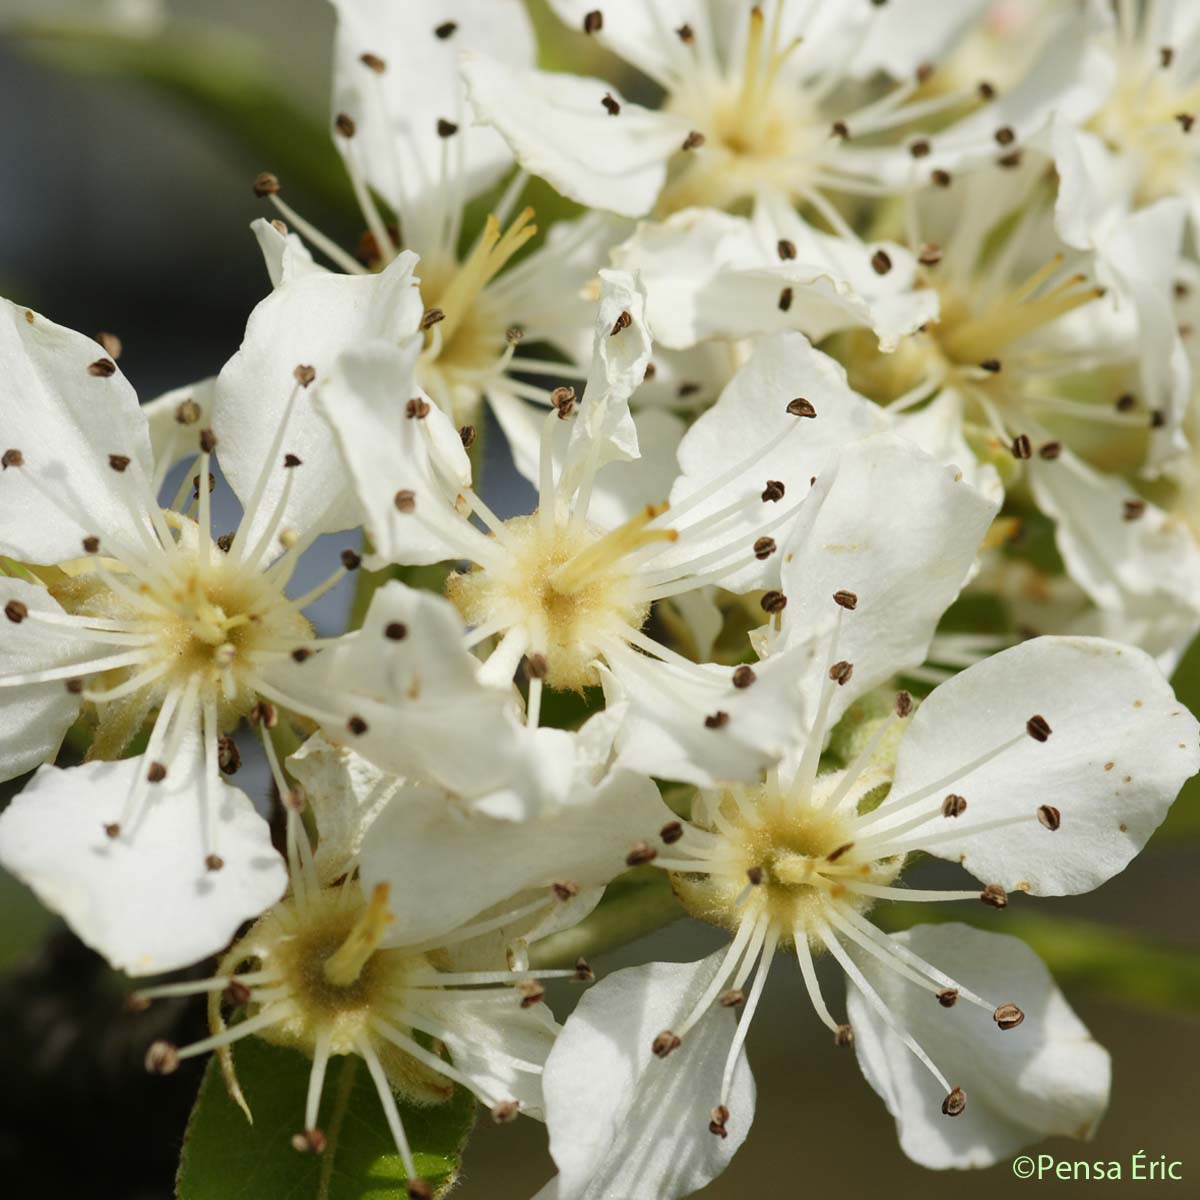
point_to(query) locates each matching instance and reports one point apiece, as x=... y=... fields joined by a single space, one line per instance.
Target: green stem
x=341 y=1105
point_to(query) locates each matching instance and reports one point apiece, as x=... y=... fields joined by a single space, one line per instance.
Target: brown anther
x=994 y=896
x=212 y=483
x=563 y=399
x=505 y=1113
x=954 y=806
x=583 y=971
x=12 y=458
x=732 y=998
x=266 y=184
x=717 y=720
x=650 y=372
x=785 y=249
x=467 y=436
x=1166 y=55
x=229 y=757
x=1005 y=136
x=764 y=547
x=755 y=875
x=1049 y=816
x=840 y=129
x=344 y=124
x=291 y=461
x=301 y=654
x=843 y=1035
x=1008 y=1016
x=531 y=993
x=430 y=317
x=310 y=1141
x=941 y=178
x=225 y=543
x=904 y=704
x=102 y=368
x=356 y=725
x=565 y=889
x=743 y=677
x=295 y=800
x=623 y=322
x=665 y=1043
x=162 y=1058
x=920 y=148
x=840 y=672
x=774 y=491
x=536 y=666
x=801 y=407
x=924 y=72
x=772 y=602
x=112 y=829
x=930 y=254
x=948 y=998
x=395 y=631
x=720 y=1118
x=1009 y=161
x=214 y=862
x=446 y=29
x=418 y=1189
x=1158 y=419
x=671 y=832
x=135 y=1002
x=846 y=599
x=840 y=852
x=304 y=374
x=187 y=412
x=373 y=62
x=986 y=90
x=641 y=854
x=156 y=772
x=74 y=687
x=1021 y=447
x=955 y=1103
x=991 y=366
x=612 y=105
x=1050 y=450
x=416 y=409
x=687 y=389
x=351 y=559
x=1038 y=728
x=405 y=500
x=110 y=343
x=264 y=713
x=1125 y=402
x=1133 y=510
x=208 y=441
x=686 y=34
x=786 y=296
x=881 y=261
x=593 y=22
x=514 y=335
x=693 y=141
x=236 y=994
x=446 y=129
x=118 y=462
x=1186 y=121
x=16 y=611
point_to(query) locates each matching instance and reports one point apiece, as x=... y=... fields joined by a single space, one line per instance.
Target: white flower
x=401 y=127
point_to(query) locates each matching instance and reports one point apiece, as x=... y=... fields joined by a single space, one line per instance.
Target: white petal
x=903 y=35
x=387 y=451
x=1046 y=1077
x=624 y=1123
x=145 y=900
x=938 y=429
x=284 y=254
x=560 y=130
x=1121 y=748
x=445 y=864
x=170 y=439
x=66 y=422
x=308 y=320
x=34 y=718
x=396 y=144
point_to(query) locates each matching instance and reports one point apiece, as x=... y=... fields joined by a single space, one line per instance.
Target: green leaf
x=227 y=1158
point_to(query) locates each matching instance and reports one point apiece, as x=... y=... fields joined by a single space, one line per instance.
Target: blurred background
x=125 y=205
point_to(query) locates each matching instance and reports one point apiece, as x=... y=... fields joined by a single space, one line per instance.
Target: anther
x=774 y=491
x=208 y=441
x=785 y=299
x=112 y=829
x=416 y=409
x=344 y=124
x=593 y=22
x=840 y=129
x=994 y=896
x=785 y=249
x=693 y=141
x=229 y=757
x=1049 y=816
x=948 y=998
x=356 y=725
x=732 y=998
x=720 y=1116
x=583 y=971
x=264 y=714
x=622 y=323
x=611 y=104
x=840 y=852
x=395 y=631
x=102 y=368
x=930 y=255
x=536 y=666
x=954 y=806
x=764 y=547
x=881 y=261
x=649 y=373
x=1008 y=1016
x=214 y=862
x=467 y=436
x=924 y=71
x=1186 y=121
x=1010 y=160
x=74 y=686
x=1134 y=509
x=266 y=184
x=16 y=611
x=955 y=1103
x=446 y=29
x=1050 y=451
x=1125 y=402
x=351 y=559
x=446 y=129
x=111 y=344
x=118 y=462
x=1038 y=728
x=310 y=1141
x=1005 y=136
x=301 y=654
x=1166 y=55
x=514 y=335
x=991 y=366
x=373 y=62
x=12 y=458
x=941 y=178
x=743 y=677
x=986 y=90
x=531 y=993
x=773 y=601
x=505 y=1113
x=843 y=1035
x=755 y=876
x=563 y=400
x=641 y=854
x=1021 y=447
x=671 y=832
x=418 y=1189
x=920 y=148
x=405 y=500
x=162 y=1058
x=1158 y=419
x=156 y=772
x=187 y=412
x=665 y=1043
x=304 y=374
x=904 y=704
x=845 y=599
x=840 y=673
x=431 y=317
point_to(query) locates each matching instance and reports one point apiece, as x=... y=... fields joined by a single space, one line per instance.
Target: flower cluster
x=863 y=295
